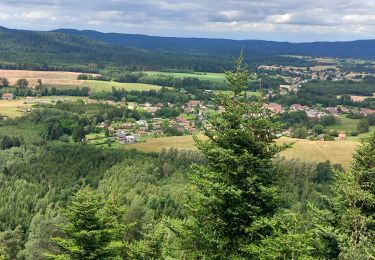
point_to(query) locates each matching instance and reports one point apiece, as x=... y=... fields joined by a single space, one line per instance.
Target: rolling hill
x=353 y=49
x=90 y=51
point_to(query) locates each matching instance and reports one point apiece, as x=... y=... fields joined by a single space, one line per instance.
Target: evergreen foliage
x=236 y=187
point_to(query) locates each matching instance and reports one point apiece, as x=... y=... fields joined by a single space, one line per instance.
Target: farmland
x=312 y=151
x=47 y=77
x=16 y=107
x=67 y=80
x=350 y=125
x=98 y=86
x=215 y=77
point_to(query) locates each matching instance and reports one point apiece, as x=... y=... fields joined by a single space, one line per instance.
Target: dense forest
x=233 y=198
x=60 y=51
x=256 y=49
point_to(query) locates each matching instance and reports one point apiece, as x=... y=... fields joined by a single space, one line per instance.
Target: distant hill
x=352 y=49
x=21 y=49
x=74 y=50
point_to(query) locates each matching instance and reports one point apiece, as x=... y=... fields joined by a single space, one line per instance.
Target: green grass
x=248 y=93
x=215 y=77
x=346 y=124
x=99 y=86
x=350 y=125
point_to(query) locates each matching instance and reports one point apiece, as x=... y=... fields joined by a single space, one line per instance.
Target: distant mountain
x=352 y=49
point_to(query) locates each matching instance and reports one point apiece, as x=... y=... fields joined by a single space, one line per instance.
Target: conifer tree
x=348 y=221
x=92 y=230
x=235 y=187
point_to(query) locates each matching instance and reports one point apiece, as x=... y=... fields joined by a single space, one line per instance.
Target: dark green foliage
x=7 y=142
x=92 y=230
x=167 y=112
x=152 y=96
x=346 y=223
x=363 y=126
x=290 y=119
x=78 y=134
x=22 y=83
x=236 y=188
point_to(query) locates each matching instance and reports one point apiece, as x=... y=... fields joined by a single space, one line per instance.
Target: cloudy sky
x=282 y=20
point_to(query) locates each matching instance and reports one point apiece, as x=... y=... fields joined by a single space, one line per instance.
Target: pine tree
x=92 y=230
x=235 y=188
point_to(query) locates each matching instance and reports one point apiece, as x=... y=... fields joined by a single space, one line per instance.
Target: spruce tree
x=92 y=230
x=235 y=188
x=347 y=224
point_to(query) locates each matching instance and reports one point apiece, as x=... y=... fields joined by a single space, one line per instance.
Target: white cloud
x=294 y=20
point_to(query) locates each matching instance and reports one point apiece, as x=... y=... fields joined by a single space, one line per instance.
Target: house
x=298 y=107
x=312 y=114
x=7 y=96
x=194 y=103
x=333 y=110
x=125 y=138
x=29 y=100
x=143 y=125
x=285 y=89
x=367 y=111
x=189 y=110
x=275 y=108
x=127 y=125
x=342 y=136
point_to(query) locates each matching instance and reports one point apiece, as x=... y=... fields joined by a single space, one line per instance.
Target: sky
x=279 y=20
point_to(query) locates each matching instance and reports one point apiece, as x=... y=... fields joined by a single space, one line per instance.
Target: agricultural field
x=61 y=79
x=47 y=77
x=17 y=107
x=215 y=77
x=312 y=151
x=350 y=125
x=98 y=86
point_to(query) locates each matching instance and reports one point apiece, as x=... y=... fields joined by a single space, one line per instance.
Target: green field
x=215 y=77
x=346 y=124
x=248 y=93
x=99 y=86
x=350 y=125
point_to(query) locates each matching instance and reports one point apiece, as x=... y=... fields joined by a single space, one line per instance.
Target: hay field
x=13 y=108
x=16 y=107
x=47 y=77
x=311 y=151
x=62 y=79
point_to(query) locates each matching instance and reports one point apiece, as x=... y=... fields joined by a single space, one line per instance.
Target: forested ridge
x=254 y=48
x=22 y=49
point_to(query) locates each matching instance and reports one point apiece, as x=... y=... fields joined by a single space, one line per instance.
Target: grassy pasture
x=98 y=86
x=215 y=77
x=311 y=151
x=350 y=125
